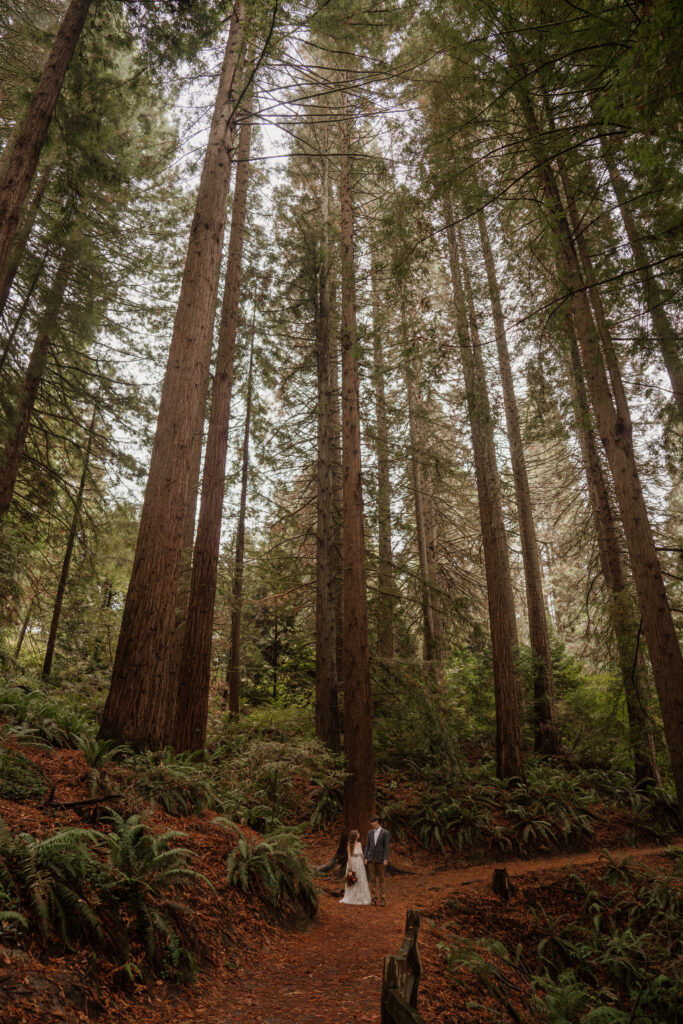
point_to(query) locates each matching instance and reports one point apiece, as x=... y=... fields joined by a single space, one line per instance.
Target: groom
x=376 y=856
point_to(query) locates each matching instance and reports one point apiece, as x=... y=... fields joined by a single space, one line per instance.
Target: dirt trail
x=331 y=974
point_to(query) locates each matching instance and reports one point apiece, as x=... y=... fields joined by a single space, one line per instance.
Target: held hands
x=385 y=863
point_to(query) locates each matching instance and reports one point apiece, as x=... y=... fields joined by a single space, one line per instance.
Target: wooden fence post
x=401 y=978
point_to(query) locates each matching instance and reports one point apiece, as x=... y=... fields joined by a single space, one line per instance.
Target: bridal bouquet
x=351 y=877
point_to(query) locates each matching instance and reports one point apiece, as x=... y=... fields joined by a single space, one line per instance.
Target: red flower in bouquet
x=351 y=877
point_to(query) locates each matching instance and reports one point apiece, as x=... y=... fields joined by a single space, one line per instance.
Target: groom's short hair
x=374 y=818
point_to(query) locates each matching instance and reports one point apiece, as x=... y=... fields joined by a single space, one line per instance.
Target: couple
x=376 y=856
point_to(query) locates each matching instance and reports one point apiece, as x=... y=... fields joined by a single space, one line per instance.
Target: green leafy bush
x=275 y=869
x=19 y=778
x=264 y=780
x=136 y=892
x=49 y=878
x=55 y=720
x=98 y=755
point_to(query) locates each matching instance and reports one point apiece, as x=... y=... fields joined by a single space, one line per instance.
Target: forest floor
x=254 y=970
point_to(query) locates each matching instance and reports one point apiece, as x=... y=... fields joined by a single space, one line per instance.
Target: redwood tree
x=359 y=788
x=140 y=708
x=20 y=163
x=195 y=668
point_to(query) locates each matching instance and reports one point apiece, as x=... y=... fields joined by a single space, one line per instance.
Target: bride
x=356 y=892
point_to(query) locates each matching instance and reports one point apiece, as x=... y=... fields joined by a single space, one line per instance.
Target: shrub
x=275 y=869
x=49 y=880
x=98 y=754
x=38 y=718
x=136 y=894
x=178 y=782
x=112 y=891
x=19 y=778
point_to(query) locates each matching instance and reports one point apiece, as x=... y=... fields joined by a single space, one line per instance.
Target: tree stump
x=502 y=886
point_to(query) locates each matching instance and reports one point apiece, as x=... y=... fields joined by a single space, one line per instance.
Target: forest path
x=332 y=973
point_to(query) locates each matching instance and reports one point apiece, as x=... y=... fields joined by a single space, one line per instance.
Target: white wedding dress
x=358 y=894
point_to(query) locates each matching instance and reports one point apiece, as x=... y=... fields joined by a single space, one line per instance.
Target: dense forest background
x=342 y=404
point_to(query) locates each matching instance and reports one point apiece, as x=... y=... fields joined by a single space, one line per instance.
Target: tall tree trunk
x=24 y=627
x=359 y=787
x=235 y=657
x=140 y=708
x=19 y=165
x=509 y=757
x=385 y=571
x=327 y=726
x=66 y=563
x=432 y=651
x=22 y=236
x=622 y=612
x=546 y=735
x=21 y=313
x=615 y=429
x=14 y=447
x=667 y=337
x=337 y=484
x=195 y=672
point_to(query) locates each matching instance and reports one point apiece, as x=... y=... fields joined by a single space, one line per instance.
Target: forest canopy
x=342 y=372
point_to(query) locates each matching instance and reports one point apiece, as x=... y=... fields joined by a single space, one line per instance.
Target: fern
x=275 y=869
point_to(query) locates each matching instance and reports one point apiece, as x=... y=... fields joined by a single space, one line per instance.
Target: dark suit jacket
x=377 y=851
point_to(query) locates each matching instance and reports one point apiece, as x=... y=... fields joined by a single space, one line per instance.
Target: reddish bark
x=14 y=446
x=614 y=426
x=195 y=672
x=327 y=726
x=359 y=788
x=386 y=594
x=21 y=162
x=140 y=708
x=622 y=611
x=546 y=735
x=235 y=657
x=498 y=581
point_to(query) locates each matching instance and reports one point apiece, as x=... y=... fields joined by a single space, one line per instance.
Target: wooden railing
x=401 y=978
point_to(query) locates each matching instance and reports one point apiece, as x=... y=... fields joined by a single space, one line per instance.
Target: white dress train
x=357 y=895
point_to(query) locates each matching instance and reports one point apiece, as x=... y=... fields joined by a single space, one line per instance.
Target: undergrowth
x=275 y=869
x=614 y=957
x=115 y=891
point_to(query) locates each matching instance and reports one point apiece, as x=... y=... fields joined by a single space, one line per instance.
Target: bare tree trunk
x=668 y=339
x=359 y=788
x=327 y=726
x=509 y=757
x=431 y=614
x=66 y=563
x=14 y=447
x=234 y=660
x=614 y=425
x=195 y=673
x=337 y=484
x=546 y=735
x=622 y=611
x=22 y=236
x=24 y=627
x=140 y=708
x=21 y=161
x=385 y=571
